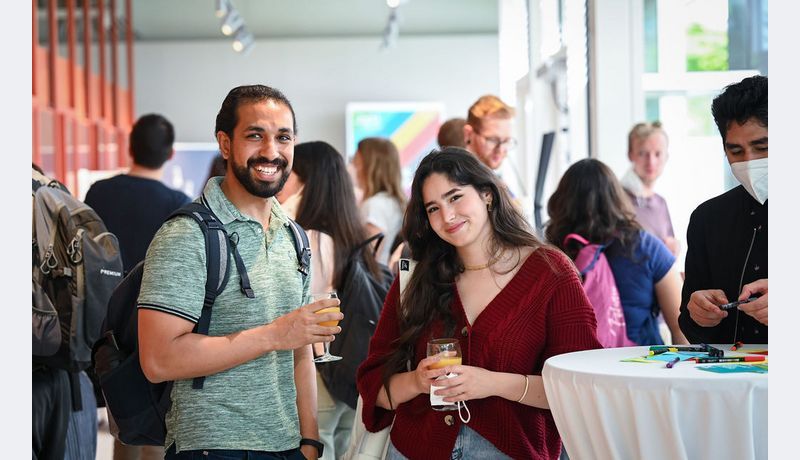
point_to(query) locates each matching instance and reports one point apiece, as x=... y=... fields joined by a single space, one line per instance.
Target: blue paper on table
x=734 y=368
x=671 y=355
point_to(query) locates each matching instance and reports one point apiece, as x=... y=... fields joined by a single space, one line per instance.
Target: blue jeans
x=469 y=444
x=224 y=454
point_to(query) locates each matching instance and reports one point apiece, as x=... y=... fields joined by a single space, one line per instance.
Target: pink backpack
x=601 y=289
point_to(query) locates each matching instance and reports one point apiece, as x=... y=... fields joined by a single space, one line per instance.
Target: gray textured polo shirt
x=251 y=406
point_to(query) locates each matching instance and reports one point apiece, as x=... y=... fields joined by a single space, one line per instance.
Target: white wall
x=187 y=81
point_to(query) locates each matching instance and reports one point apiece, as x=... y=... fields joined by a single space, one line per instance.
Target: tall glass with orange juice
x=326 y=356
x=449 y=351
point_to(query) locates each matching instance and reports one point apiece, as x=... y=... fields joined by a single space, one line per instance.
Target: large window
x=693 y=49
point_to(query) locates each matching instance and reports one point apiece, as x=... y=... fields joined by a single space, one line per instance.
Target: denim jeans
x=224 y=454
x=469 y=445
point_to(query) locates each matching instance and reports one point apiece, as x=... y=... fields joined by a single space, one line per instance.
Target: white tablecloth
x=607 y=409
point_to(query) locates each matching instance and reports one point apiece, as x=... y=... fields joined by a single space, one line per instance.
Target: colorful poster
x=411 y=126
x=188 y=168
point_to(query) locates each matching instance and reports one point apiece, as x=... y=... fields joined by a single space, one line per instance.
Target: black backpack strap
x=218 y=249
x=75 y=391
x=377 y=236
x=301 y=247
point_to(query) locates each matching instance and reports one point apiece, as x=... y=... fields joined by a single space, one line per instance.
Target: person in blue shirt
x=590 y=201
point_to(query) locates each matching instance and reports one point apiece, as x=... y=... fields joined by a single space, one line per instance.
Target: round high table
x=607 y=409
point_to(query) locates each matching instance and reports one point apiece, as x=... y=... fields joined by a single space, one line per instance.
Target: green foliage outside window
x=706 y=49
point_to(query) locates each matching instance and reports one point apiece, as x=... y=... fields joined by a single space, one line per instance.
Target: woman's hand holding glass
x=427 y=372
x=469 y=383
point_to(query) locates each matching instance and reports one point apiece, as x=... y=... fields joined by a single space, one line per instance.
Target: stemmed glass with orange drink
x=326 y=356
x=449 y=351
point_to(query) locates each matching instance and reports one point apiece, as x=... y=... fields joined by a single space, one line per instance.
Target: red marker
x=737 y=359
x=736 y=346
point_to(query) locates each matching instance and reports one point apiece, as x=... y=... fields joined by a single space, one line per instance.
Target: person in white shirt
x=377 y=167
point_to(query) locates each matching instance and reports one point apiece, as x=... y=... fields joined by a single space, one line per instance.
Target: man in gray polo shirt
x=259 y=397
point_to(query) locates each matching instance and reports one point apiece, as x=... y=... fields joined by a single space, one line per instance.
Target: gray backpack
x=76 y=264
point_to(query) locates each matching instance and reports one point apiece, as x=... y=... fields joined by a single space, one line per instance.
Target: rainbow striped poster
x=411 y=126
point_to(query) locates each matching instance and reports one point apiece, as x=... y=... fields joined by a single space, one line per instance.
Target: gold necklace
x=478 y=267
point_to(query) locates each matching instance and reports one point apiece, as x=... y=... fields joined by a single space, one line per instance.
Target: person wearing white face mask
x=726 y=257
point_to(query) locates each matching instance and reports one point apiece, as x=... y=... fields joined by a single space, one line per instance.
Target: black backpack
x=362 y=296
x=76 y=265
x=136 y=407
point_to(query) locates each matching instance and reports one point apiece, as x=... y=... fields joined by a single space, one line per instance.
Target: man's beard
x=257 y=187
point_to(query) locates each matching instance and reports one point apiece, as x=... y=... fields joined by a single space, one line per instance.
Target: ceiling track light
x=391 y=31
x=233 y=25
x=232 y=22
x=222 y=8
x=243 y=41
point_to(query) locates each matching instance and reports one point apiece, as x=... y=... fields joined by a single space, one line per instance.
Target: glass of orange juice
x=326 y=356
x=449 y=351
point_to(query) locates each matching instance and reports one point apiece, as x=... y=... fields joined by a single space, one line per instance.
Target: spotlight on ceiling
x=232 y=22
x=222 y=8
x=243 y=41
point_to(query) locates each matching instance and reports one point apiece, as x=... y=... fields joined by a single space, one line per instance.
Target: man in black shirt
x=726 y=258
x=134 y=205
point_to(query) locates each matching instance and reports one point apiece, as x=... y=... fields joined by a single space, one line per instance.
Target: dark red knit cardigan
x=542 y=312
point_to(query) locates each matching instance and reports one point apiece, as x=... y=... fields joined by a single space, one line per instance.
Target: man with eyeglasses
x=487 y=135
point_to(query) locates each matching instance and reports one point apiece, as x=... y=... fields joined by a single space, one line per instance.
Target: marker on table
x=732 y=359
x=663 y=350
x=736 y=346
x=673 y=362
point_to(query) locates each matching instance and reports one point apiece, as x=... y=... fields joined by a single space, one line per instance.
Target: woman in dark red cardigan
x=483 y=277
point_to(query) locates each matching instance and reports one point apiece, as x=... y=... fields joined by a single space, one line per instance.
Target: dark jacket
x=719 y=236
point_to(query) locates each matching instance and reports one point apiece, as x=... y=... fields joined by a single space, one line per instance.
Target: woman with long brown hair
x=377 y=165
x=510 y=301
x=321 y=195
x=590 y=201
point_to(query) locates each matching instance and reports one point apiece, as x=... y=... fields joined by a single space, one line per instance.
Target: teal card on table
x=735 y=368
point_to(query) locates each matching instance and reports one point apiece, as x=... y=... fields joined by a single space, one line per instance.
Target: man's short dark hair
x=151 y=141
x=740 y=102
x=228 y=116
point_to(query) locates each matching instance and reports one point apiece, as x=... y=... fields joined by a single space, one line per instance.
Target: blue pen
x=673 y=362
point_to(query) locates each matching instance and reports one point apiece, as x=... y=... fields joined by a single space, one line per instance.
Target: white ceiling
x=157 y=20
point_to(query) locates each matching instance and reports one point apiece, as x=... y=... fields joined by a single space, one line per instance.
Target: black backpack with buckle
x=136 y=407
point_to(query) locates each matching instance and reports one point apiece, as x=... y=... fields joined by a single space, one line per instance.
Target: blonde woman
x=377 y=167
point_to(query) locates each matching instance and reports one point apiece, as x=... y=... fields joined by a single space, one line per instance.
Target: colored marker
x=658 y=352
x=678 y=348
x=673 y=362
x=736 y=346
x=737 y=359
x=735 y=304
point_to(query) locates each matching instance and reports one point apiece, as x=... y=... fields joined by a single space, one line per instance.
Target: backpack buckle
x=50 y=261
x=74 y=250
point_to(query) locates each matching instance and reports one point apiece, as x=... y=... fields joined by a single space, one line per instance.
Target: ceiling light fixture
x=392 y=29
x=222 y=8
x=243 y=41
x=232 y=22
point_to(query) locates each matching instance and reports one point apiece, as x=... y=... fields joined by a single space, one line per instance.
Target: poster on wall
x=188 y=168
x=411 y=126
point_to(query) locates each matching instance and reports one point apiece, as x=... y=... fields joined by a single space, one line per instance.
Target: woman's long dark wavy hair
x=429 y=293
x=590 y=201
x=328 y=203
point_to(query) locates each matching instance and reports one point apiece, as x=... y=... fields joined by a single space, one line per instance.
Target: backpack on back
x=76 y=265
x=601 y=289
x=136 y=407
x=362 y=296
